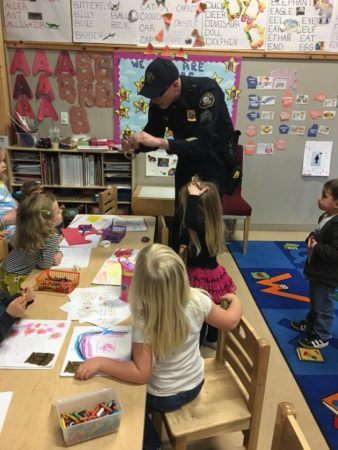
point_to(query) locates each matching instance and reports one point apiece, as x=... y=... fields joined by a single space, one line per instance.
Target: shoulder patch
x=207 y=100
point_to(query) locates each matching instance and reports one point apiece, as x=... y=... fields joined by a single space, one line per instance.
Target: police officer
x=194 y=109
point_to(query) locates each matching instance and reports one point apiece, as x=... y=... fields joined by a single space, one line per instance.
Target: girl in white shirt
x=167 y=318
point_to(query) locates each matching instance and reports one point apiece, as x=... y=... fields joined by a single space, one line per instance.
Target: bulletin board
x=131 y=110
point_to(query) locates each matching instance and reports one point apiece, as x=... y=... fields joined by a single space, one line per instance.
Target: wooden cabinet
x=75 y=176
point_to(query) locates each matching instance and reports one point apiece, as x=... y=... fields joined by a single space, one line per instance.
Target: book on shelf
x=331 y=402
x=71 y=170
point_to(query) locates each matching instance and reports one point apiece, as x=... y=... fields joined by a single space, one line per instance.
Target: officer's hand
x=148 y=140
x=129 y=144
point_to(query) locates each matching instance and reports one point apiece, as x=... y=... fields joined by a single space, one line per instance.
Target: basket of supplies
x=55 y=280
x=114 y=233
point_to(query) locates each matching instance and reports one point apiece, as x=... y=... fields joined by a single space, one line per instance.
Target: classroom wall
x=281 y=198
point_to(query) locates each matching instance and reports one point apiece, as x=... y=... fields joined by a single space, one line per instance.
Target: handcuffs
x=127 y=153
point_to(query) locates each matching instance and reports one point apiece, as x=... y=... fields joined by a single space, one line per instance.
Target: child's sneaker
x=298 y=325
x=313 y=342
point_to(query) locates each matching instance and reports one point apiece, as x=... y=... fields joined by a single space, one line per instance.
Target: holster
x=232 y=165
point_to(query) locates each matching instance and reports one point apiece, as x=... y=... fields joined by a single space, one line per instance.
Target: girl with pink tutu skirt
x=201 y=216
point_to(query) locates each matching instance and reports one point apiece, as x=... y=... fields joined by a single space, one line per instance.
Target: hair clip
x=46 y=212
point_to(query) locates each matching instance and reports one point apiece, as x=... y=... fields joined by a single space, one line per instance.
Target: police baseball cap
x=159 y=75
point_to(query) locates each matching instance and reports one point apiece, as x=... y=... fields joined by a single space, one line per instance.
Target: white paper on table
x=74 y=257
x=5 y=400
x=31 y=335
x=114 y=343
x=317 y=157
x=132 y=223
x=98 y=305
x=110 y=272
x=65 y=308
x=100 y=222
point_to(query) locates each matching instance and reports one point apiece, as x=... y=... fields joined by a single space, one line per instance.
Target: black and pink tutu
x=215 y=281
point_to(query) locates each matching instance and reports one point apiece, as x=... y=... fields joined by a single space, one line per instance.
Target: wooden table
x=153 y=200
x=31 y=422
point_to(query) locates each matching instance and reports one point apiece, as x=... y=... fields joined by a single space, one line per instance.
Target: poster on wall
x=131 y=110
x=105 y=22
x=301 y=26
x=160 y=164
x=317 y=156
x=39 y=20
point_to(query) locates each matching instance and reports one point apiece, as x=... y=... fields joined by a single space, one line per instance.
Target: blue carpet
x=273 y=274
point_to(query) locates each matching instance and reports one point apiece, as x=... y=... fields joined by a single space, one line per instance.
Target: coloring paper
x=317 y=156
x=110 y=272
x=98 y=305
x=100 y=222
x=30 y=340
x=5 y=400
x=79 y=257
x=89 y=342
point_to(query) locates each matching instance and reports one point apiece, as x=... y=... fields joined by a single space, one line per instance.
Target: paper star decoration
x=123 y=94
x=122 y=111
x=141 y=105
x=217 y=78
x=233 y=93
x=231 y=65
x=139 y=83
x=127 y=131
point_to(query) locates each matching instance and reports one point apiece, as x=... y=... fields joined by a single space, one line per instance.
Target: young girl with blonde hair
x=167 y=317
x=35 y=242
x=201 y=218
x=8 y=204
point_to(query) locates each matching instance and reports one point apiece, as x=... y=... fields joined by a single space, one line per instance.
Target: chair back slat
x=108 y=201
x=3 y=248
x=163 y=231
x=287 y=432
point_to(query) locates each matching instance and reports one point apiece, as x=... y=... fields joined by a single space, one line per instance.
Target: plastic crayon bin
x=57 y=280
x=92 y=428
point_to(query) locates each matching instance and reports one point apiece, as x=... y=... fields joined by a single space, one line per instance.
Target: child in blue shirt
x=8 y=204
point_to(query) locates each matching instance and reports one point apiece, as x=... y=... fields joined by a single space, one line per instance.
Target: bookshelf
x=74 y=176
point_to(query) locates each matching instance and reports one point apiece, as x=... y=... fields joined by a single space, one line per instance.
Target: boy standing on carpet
x=321 y=269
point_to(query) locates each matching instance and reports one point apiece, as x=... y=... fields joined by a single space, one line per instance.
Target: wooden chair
x=287 y=433
x=232 y=395
x=162 y=231
x=3 y=248
x=235 y=207
x=108 y=201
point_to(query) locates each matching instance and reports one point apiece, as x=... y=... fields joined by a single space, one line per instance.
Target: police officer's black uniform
x=201 y=124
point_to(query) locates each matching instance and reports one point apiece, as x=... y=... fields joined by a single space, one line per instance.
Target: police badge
x=207 y=100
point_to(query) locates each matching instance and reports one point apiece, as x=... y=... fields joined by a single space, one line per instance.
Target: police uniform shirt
x=200 y=122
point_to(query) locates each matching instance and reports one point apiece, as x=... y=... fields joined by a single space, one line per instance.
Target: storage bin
x=27 y=139
x=57 y=280
x=92 y=428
